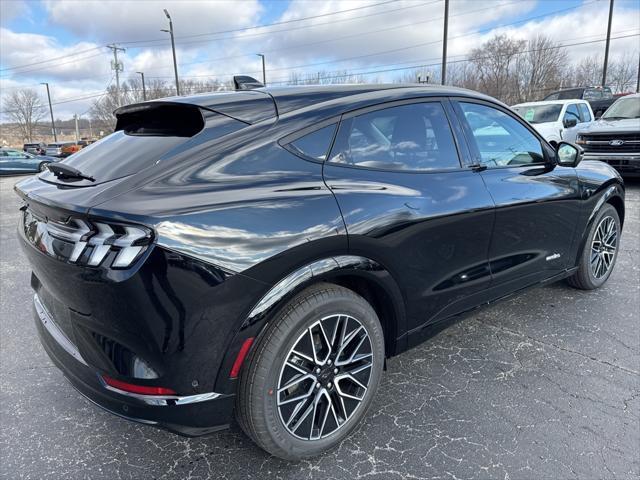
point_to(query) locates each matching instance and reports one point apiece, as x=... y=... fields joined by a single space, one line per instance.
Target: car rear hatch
x=87 y=270
x=149 y=137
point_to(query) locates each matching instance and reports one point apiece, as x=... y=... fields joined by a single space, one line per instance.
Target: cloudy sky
x=63 y=42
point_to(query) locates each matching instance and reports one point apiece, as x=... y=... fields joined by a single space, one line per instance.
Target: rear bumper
x=190 y=415
x=628 y=164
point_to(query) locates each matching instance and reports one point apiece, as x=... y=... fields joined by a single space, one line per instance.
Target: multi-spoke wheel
x=603 y=247
x=600 y=251
x=325 y=377
x=312 y=374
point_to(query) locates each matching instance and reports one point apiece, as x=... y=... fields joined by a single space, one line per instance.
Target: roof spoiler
x=244 y=82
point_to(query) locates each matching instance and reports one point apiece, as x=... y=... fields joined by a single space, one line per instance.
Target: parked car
x=600 y=98
x=264 y=251
x=62 y=149
x=615 y=138
x=85 y=142
x=556 y=120
x=16 y=161
x=35 y=148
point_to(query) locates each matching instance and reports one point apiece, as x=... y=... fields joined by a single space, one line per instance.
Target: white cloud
x=357 y=33
x=10 y=9
x=111 y=21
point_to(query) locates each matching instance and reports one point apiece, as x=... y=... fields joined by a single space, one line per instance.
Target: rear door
x=408 y=203
x=537 y=201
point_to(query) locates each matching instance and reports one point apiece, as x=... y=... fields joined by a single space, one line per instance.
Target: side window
x=315 y=144
x=572 y=112
x=584 y=112
x=407 y=137
x=500 y=139
x=553 y=96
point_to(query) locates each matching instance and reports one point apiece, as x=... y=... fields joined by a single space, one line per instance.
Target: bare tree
x=25 y=108
x=540 y=68
x=622 y=72
x=494 y=62
x=325 y=77
x=588 y=71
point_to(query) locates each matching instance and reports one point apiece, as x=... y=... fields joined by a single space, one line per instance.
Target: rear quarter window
x=314 y=145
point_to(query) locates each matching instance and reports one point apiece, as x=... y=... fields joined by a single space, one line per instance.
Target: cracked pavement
x=542 y=386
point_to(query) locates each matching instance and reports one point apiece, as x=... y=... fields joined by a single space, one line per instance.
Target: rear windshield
x=121 y=153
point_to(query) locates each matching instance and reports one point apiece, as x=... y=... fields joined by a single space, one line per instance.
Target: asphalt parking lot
x=543 y=386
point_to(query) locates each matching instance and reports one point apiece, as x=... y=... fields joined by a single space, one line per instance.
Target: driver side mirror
x=569 y=155
x=570 y=122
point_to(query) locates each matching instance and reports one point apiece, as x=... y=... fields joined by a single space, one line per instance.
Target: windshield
x=539 y=113
x=623 y=108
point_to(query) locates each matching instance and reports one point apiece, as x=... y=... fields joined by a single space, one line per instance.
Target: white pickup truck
x=557 y=120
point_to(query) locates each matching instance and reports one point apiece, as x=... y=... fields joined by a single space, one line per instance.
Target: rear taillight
x=88 y=242
x=139 y=389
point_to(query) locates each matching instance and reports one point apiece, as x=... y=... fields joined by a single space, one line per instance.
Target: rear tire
x=42 y=167
x=600 y=251
x=313 y=373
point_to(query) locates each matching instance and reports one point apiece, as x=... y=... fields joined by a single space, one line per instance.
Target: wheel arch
x=362 y=275
x=613 y=195
x=618 y=204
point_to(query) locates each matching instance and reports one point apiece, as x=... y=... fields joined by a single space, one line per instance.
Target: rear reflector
x=237 y=365
x=140 y=389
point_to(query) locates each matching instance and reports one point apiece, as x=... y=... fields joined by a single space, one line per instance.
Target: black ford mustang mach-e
x=263 y=251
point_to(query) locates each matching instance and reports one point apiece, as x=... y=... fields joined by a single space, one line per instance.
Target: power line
x=4 y=75
x=283 y=22
x=16 y=67
x=334 y=39
x=400 y=49
x=462 y=61
x=51 y=59
x=331 y=77
x=162 y=41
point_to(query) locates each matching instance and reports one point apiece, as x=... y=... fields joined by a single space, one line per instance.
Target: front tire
x=313 y=373
x=600 y=251
x=42 y=167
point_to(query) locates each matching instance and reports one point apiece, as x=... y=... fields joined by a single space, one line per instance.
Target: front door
x=537 y=201
x=408 y=203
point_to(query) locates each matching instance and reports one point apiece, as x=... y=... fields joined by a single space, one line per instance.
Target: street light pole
x=173 y=48
x=144 y=90
x=53 y=124
x=264 y=71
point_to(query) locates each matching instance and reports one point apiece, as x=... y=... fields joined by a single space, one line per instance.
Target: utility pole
x=444 y=41
x=638 y=80
x=144 y=90
x=75 y=117
x=173 y=48
x=264 y=71
x=53 y=124
x=118 y=67
x=606 y=48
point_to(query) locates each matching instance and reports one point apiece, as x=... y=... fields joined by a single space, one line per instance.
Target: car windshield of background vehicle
x=414 y=137
x=500 y=139
x=539 y=113
x=623 y=109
